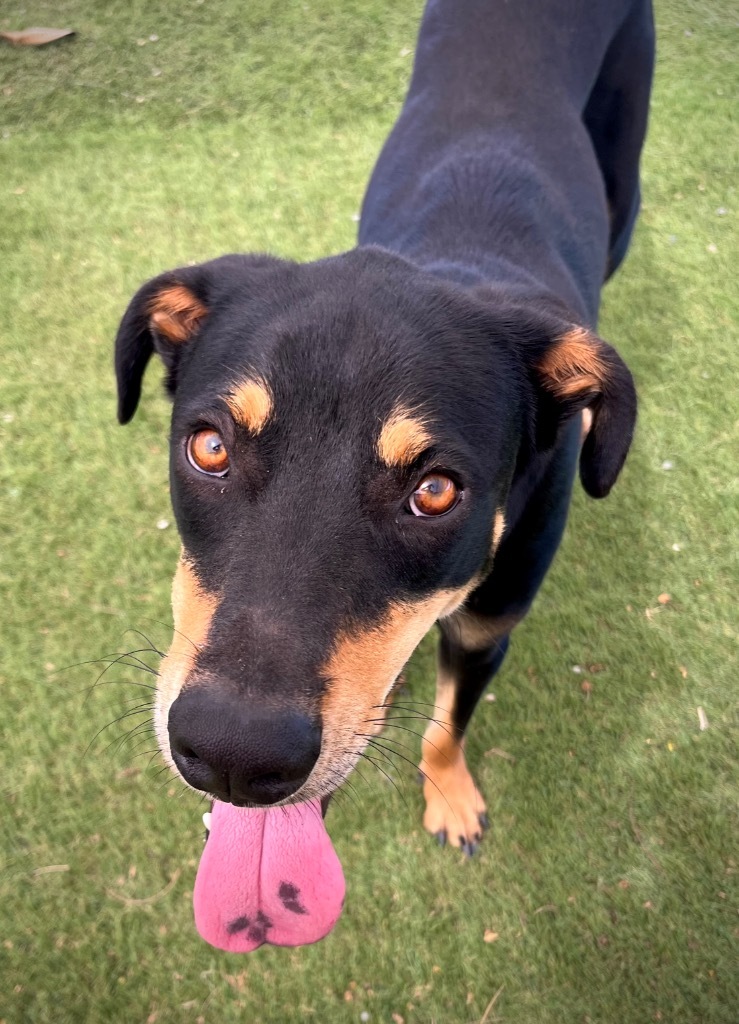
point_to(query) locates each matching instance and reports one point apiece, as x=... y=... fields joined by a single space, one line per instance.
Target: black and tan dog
x=385 y=439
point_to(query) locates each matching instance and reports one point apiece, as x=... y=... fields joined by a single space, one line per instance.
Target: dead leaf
x=664 y=598
x=36 y=36
x=490 y=936
x=497 y=752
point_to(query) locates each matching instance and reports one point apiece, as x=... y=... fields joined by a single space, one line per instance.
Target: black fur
x=504 y=196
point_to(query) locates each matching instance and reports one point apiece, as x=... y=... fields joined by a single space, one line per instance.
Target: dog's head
x=344 y=438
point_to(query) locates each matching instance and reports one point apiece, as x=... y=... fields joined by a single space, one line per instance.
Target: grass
x=609 y=875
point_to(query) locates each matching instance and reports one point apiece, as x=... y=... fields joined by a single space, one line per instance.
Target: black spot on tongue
x=289 y=897
x=257 y=931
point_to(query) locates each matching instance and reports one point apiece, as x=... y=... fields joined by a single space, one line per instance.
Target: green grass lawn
x=609 y=874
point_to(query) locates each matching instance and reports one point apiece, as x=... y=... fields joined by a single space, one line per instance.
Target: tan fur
x=574 y=365
x=453 y=801
x=176 y=313
x=250 y=402
x=361 y=672
x=475 y=633
x=403 y=437
x=498 y=528
x=193 y=609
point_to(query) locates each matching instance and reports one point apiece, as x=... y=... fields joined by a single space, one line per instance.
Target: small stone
x=355 y=218
x=667 y=465
x=712 y=247
x=676 y=547
x=664 y=598
x=162 y=524
x=490 y=698
x=577 y=669
x=721 y=211
x=364 y=1016
x=153 y=38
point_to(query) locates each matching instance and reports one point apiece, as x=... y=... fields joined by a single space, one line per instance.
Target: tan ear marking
x=403 y=437
x=175 y=313
x=573 y=365
x=250 y=402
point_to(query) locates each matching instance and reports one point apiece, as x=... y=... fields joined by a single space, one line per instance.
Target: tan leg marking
x=454 y=804
x=475 y=633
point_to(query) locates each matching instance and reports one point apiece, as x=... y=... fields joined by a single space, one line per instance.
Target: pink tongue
x=267 y=876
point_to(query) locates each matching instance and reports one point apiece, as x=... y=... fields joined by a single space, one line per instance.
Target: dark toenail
x=441 y=837
x=484 y=821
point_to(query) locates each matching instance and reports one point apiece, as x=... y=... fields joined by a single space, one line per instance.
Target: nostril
x=184 y=751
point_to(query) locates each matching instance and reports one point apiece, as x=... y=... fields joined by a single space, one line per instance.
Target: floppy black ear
x=576 y=371
x=164 y=314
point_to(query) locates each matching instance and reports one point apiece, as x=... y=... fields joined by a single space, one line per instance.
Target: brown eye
x=207 y=452
x=435 y=495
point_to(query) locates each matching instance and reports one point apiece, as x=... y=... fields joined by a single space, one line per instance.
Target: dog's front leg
x=469 y=656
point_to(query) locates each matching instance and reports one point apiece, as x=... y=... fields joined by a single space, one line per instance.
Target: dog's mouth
x=267 y=875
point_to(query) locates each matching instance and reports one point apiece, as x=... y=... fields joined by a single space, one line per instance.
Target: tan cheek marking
x=498 y=528
x=176 y=313
x=193 y=609
x=403 y=437
x=365 y=664
x=250 y=402
x=574 y=365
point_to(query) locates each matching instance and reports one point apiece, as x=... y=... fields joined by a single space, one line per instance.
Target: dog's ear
x=164 y=315
x=167 y=314
x=575 y=370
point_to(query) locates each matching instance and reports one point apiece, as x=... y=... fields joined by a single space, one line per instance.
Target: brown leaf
x=490 y=936
x=36 y=36
x=664 y=598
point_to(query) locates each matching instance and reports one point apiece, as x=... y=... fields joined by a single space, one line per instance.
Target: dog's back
x=515 y=159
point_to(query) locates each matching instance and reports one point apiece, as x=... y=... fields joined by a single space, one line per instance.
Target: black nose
x=240 y=752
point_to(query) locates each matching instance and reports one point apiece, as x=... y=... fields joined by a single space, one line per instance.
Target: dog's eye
x=207 y=452
x=435 y=495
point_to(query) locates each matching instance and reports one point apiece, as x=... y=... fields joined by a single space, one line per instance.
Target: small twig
x=130 y=901
x=497 y=752
x=702 y=720
x=491 y=1004
x=51 y=869
x=550 y=908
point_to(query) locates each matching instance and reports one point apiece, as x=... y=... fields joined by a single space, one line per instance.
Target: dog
x=386 y=439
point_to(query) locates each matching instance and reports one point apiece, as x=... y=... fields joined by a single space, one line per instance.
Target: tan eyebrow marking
x=250 y=402
x=574 y=365
x=403 y=437
x=176 y=313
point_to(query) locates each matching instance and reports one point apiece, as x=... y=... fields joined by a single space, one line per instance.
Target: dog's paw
x=455 y=810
